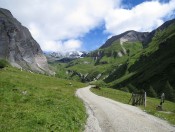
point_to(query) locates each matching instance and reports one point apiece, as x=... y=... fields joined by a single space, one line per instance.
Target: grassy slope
x=33 y=102
x=104 y=65
x=124 y=97
x=153 y=67
x=82 y=65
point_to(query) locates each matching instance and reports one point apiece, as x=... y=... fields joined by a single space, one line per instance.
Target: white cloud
x=72 y=45
x=143 y=17
x=57 y=20
x=69 y=45
x=52 y=22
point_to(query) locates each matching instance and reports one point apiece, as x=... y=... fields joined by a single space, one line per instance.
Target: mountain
x=65 y=56
x=68 y=54
x=128 y=36
x=125 y=44
x=18 y=46
x=100 y=63
x=131 y=62
x=152 y=69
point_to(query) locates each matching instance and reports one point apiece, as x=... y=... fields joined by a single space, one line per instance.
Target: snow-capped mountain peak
x=62 y=55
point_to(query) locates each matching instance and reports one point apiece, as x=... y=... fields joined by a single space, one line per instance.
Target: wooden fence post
x=145 y=99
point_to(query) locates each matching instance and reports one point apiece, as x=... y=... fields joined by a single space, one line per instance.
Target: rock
x=86 y=62
x=119 y=54
x=18 y=46
x=24 y=92
x=99 y=75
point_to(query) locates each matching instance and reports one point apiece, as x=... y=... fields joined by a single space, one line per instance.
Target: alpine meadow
x=87 y=66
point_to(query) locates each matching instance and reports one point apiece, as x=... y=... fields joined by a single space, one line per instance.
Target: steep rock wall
x=18 y=46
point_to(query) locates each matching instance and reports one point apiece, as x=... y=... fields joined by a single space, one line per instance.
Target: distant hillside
x=153 y=69
x=18 y=46
x=100 y=63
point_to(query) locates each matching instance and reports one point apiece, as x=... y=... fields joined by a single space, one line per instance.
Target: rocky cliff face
x=18 y=47
x=128 y=36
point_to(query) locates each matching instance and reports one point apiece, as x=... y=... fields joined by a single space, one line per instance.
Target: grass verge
x=34 y=102
x=168 y=112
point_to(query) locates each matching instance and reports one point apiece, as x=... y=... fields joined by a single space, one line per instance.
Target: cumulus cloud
x=61 y=46
x=143 y=17
x=53 y=22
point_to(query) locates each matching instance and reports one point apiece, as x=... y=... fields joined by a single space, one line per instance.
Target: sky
x=84 y=25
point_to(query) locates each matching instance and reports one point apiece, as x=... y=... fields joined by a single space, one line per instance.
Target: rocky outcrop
x=128 y=36
x=18 y=46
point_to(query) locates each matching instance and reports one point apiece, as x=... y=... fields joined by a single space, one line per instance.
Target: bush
x=3 y=63
x=99 y=83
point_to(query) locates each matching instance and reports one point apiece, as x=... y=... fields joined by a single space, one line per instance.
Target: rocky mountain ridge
x=128 y=36
x=152 y=34
x=18 y=46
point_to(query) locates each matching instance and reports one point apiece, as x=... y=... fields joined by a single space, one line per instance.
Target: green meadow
x=35 y=102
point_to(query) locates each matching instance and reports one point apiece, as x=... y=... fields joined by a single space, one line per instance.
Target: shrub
x=100 y=83
x=3 y=63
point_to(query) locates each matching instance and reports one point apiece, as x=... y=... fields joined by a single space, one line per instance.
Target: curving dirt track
x=106 y=115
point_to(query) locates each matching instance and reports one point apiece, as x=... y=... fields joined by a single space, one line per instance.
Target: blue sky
x=67 y=25
x=132 y=3
x=96 y=37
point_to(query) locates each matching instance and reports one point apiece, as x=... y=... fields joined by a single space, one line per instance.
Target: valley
x=131 y=62
x=50 y=91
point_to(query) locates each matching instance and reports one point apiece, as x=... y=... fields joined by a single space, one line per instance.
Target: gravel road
x=106 y=115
